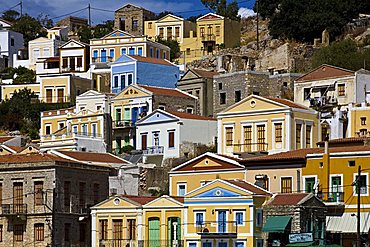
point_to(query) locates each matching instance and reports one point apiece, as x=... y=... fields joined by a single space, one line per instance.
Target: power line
x=18 y=4
x=71 y=13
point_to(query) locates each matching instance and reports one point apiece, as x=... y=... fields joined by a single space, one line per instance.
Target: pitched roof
x=16 y=148
x=345 y=141
x=205 y=73
x=167 y=91
x=141 y=199
x=92 y=157
x=190 y=116
x=289 y=199
x=5 y=138
x=288 y=103
x=250 y=187
x=31 y=158
x=325 y=71
x=152 y=60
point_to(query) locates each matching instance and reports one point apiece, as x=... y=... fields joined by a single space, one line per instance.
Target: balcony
x=13 y=209
x=212 y=229
x=122 y=124
x=331 y=197
x=248 y=148
x=76 y=69
x=156 y=150
x=102 y=59
x=143 y=243
x=55 y=99
x=208 y=37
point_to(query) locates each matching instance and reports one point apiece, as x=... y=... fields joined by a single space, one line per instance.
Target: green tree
x=344 y=54
x=20 y=75
x=194 y=18
x=30 y=27
x=10 y=15
x=266 y=8
x=163 y=14
x=173 y=45
x=221 y=7
x=45 y=21
x=103 y=29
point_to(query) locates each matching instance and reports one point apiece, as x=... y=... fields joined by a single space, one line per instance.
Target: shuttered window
x=298 y=136
x=286 y=185
x=229 y=136
x=103 y=229
x=171 y=139
x=261 y=138
x=38 y=187
x=18 y=233
x=39 y=232
x=131 y=227
x=248 y=138
x=278 y=132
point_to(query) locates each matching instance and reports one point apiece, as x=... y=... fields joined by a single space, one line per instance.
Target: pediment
x=170 y=18
x=132 y=91
x=157 y=116
x=254 y=103
x=117 y=34
x=117 y=202
x=73 y=44
x=218 y=189
x=90 y=93
x=189 y=75
x=164 y=201
x=210 y=16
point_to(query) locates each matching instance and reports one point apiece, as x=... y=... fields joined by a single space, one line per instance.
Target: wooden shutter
x=171 y=139
x=38 y=187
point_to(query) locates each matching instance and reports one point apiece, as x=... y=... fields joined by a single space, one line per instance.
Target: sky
x=104 y=9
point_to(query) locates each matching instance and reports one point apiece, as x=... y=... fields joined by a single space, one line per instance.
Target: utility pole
x=258 y=45
x=358 y=207
x=89 y=14
x=21 y=4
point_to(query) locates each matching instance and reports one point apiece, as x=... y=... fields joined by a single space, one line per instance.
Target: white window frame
x=367 y=183
x=195 y=216
x=114 y=52
x=61 y=122
x=193 y=242
x=174 y=139
x=295 y=133
x=190 y=108
x=206 y=241
x=239 y=241
x=228 y=125
x=304 y=181
x=278 y=121
x=218 y=241
x=243 y=217
x=44 y=52
x=178 y=188
x=48 y=125
x=75 y=127
x=227 y=218
x=96 y=129
x=308 y=123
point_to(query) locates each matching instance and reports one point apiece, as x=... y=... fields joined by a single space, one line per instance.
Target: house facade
x=136 y=101
x=170 y=134
x=10 y=42
x=74 y=57
x=42 y=48
x=258 y=124
x=127 y=70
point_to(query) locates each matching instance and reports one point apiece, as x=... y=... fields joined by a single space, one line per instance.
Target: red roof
x=325 y=71
x=190 y=116
x=93 y=157
x=167 y=91
x=16 y=148
x=345 y=141
x=206 y=73
x=287 y=199
x=141 y=199
x=31 y=158
x=250 y=187
x=288 y=103
x=5 y=138
x=152 y=60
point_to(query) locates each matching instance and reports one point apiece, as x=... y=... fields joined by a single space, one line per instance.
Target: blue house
x=127 y=70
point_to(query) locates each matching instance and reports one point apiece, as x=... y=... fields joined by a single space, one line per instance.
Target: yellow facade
x=7 y=91
x=258 y=124
x=359 y=120
x=74 y=57
x=210 y=33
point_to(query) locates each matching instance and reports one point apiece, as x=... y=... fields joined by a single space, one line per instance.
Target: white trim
x=273 y=141
x=367 y=184
x=304 y=181
x=195 y=212
x=178 y=190
x=251 y=218
x=243 y=217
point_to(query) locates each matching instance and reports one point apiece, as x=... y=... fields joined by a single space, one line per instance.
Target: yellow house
x=62 y=88
x=7 y=90
x=224 y=213
x=358 y=120
x=333 y=174
x=74 y=56
x=261 y=124
x=202 y=170
x=210 y=33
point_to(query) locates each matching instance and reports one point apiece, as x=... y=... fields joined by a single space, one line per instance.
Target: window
x=199 y=218
x=220 y=86
x=286 y=185
x=95 y=54
x=259 y=217
x=171 y=139
x=308 y=136
x=65 y=63
x=131 y=227
x=1 y=193
x=239 y=218
x=177 y=32
x=150 y=25
x=84 y=129
x=1 y=233
x=222 y=98
x=361 y=185
x=75 y=129
x=247 y=138
x=151 y=52
x=261 y=137
x=144 y=141
x=164 y=55
x=161 y=32
x=38 y=187
x=123 y=51
x=190 y=110
x=162 y=107
x=298 y=130
x=135 y=25
x=82 y=194
x=239 y=244
x=115 y=81
x=278 y=132
x=111 y=53
x=158 y=53
x=103 y=229
x=96 y=193
x=12 y=41
x=188 y=51
x=39 y=232
x=324 y=133
x=47 y=129
x=36 y=53
x=259 y=242
x=169 y=33
x=341 y=89
x=229 y=136
x=46 y=52
x=67 y=193
x=262 y=181
x=140 y=51
x=129 y=79
x=181 y=189
x=117 y=229
x=351 y=163
x=18 y=233
x=18 y=197
x=238 y=96
x=82 y=232
x=363 y=121
x=131 y=51
x=218 y=30
x=309 y=184
x=202 y=32
x=67 y=229
x=49 y=95
x=60 y=95
x=61 y=125
x=79 y=62
x=94 y=128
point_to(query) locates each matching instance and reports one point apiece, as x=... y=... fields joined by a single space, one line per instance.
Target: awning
x=347 y=223
x=276 y=223
x=301 y=244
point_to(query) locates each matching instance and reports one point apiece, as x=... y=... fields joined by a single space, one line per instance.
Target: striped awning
x=347 y=223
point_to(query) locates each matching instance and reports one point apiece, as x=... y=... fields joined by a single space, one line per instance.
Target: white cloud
x=245 y=12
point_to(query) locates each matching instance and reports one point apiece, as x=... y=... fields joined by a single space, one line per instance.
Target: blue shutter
x=140 y=51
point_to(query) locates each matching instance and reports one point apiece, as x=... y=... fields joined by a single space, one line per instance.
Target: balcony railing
x=73 y=134
x=143 y=243
x=336 y=197
x=123 y=124
x=208 y=37
x=212 y=228
x=102 y=59
x=249 y=147
x=13 y=209
x=76 y=69
x=154 y=150
x=55 y=99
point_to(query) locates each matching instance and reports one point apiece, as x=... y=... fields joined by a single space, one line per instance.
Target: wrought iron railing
x=208 y=37
x=9 y=209
x=102 y=59
x=217 y=227
x=74 y=134
x=250 y=147
x=154 y=150
x=331 y=196
x=123 y=124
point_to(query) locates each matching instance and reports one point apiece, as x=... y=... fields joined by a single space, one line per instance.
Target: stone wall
x=175 y=103
x=125 y=16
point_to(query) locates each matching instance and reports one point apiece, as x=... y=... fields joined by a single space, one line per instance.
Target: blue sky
x=57 y=8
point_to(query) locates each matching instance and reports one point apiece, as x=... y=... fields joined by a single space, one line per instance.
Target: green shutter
x=154 y=232
x=178 y=228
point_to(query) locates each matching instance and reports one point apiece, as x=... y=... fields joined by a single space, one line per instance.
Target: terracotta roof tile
x=288 y=103
x=289 y=155
x=287 y=199
x=250 y=187
x=325 y=71
x=342 y=141
x=167 y=91
x=5 y=138
x=93 y=157
x=152 y=60
x=141 y=199
x=206 y=73
x=190 y=116
x=16 y=148
x=31 y=158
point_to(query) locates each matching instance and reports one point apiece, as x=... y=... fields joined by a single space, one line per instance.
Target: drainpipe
x=326 y=160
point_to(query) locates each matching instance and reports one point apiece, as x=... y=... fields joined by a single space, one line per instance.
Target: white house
x=173 y=134
x=10 y=42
